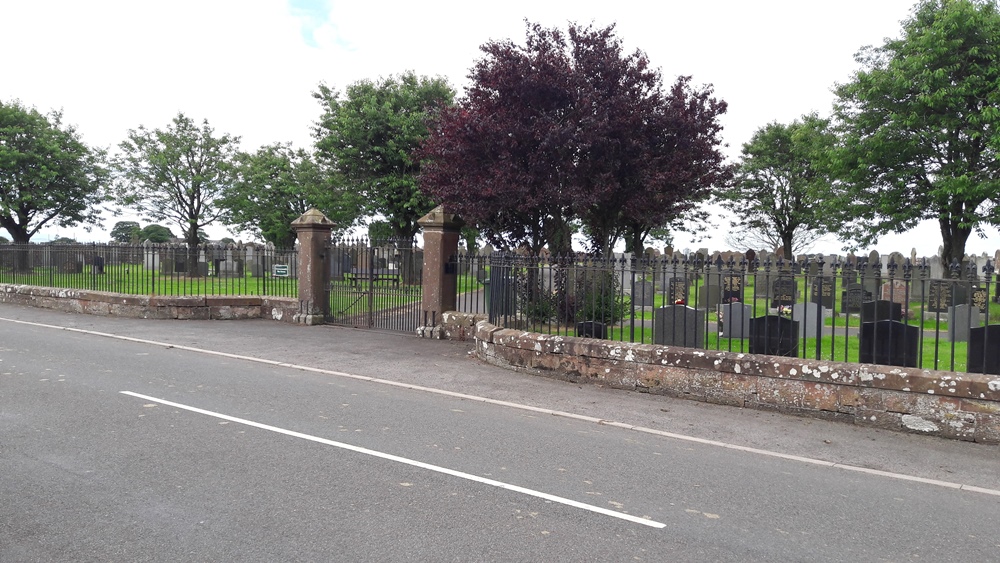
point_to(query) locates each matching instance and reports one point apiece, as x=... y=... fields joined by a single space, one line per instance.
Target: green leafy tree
x=155 y=233
x=125 y=231
x=919 y=125
x=175 y=175
x=370 y=134
x=277 y=184
x=48 y=176
x=780 y=184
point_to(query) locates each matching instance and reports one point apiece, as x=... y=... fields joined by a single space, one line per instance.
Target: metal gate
x=376 y=285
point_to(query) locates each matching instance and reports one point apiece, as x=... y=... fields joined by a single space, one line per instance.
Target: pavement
x=448 y=366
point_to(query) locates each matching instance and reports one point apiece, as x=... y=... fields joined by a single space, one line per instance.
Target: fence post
x=440 y=277
x=313 y=231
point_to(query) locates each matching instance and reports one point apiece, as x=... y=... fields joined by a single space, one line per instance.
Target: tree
x=176 y=174
x=568 y=129
x=155 y=233
x=780 y=183
x=48 y=176
x=920 y=128
x=125 y=232
x=369 y=136
x=277 y=184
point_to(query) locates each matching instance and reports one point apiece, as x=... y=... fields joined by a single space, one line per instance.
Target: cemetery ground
x=300 y=450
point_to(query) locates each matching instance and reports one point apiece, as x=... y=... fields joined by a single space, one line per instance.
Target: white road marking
x=574 y=416
x=414 y=463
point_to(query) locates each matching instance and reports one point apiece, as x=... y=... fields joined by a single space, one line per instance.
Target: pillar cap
x=441 y=218
x=312 y=219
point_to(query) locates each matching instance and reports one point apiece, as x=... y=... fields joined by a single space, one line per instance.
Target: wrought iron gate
x=376 y=284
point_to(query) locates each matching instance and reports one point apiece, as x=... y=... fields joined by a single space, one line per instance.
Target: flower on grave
x=679 y=302
x=785 y=311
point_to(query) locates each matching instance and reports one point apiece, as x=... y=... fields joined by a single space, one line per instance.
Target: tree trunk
x=953 y=238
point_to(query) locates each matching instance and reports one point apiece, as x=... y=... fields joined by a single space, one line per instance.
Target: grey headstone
x=736 y=320
x=679 y=325
x=643 y=293
x=807 y=315
x=960 y=319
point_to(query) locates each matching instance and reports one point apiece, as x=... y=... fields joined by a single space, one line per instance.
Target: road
x=131 y=440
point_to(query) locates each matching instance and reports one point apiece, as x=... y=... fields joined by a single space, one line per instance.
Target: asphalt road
x=345 y=445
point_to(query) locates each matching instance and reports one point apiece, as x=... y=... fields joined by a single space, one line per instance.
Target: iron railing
x=376 y=284
x=154 y=269
x=838 y=310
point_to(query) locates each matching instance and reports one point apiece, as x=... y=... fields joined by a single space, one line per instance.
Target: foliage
x=176 y=174
x=64 y=240
x=598 y=297
x=125 y=232
x=155 y=233
x=780 y=184
x=274 y=186
x=379 y=231
x=568 y=128
x=921 y=127
x=369 y=136
x=48 y=176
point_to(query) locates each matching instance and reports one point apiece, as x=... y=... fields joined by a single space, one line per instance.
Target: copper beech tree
x=568 y=129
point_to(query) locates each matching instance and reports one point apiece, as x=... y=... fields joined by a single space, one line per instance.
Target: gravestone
x=677 y=290
x=643 y=293
x=98 y=265
x=72 y=265
x=732 y=288
x=980 y=298
x=709 y=296
x=591 y=329
x=852 y=298
x=939 y=296
x=880 y=310
x=810 y=318
x=774 y=335
x=961 y=318
x=889 y=343
x=894 y=291
x=783 y=291
x=984 y=350
x=679 y=325
x=822 y=291
x=257 y=270
x=735 y=320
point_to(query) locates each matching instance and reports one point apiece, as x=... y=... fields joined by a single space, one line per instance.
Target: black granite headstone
x=984 y=350
x=889 y=343
x=591 y=329
x=822 y=291
x=852 y=298
x=774 y=335
x=881 y=310
x=732 y=288
x=783 y=289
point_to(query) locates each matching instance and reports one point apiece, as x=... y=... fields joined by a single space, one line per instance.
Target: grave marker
x=735 y=320
x=774 y=335
x=679 y=325
x=984 y=350
x=889 y=343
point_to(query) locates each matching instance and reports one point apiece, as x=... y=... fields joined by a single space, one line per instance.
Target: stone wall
x=150 y=306
x=947 y=404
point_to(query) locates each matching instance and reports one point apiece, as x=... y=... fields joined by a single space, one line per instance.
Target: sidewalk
x=449 y=366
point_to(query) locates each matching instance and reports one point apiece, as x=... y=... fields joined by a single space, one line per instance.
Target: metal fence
x=850 y=311
x=376 y=284
x=154 y=269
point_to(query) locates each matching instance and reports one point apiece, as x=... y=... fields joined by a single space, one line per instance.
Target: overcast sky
x=250 y=66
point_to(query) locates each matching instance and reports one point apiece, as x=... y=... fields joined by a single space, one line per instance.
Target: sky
x=250 y=66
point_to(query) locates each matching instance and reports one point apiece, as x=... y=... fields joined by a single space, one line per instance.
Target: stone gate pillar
x=313 y=231
x=440 y=281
